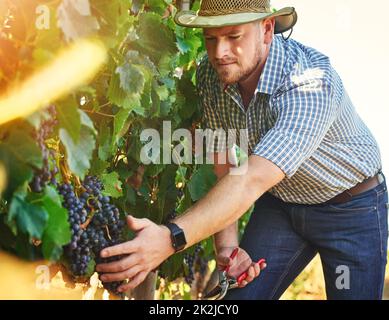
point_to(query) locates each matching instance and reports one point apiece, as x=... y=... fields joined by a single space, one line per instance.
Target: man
x=314 y=168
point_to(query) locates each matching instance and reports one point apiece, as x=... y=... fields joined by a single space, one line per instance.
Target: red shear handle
x=245 y=274
x=232 y=257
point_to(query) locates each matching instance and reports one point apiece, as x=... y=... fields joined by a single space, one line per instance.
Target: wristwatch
x=177 y=236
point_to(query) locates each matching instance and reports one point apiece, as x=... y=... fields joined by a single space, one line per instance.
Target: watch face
x=177 y=235
x=180 y=240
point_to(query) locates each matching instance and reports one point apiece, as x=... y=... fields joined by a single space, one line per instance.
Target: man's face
x=235 y=51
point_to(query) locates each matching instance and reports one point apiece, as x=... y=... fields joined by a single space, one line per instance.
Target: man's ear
x=268 y=29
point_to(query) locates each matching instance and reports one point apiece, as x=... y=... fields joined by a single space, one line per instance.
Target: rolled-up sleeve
x=305 y=114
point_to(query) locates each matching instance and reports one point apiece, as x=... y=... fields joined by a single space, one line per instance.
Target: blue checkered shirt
x=300 y=118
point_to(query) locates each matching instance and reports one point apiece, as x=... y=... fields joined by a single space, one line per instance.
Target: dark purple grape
x=105 y=227
x=45 y=175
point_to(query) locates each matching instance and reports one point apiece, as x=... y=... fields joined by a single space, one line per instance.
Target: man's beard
x=229 y=77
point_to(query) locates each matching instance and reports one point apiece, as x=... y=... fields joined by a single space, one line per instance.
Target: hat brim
x=285 y=19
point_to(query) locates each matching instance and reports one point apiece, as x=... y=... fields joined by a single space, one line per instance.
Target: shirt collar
x=271 y=76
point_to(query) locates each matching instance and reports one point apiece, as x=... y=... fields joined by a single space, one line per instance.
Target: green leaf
x=202 y=180
x=86 y=121
x=112 y=185
x=75 y=19
x=18 y=153
x=131 y=77
x=98 y=166
x=156 y=39
x=69 y=118
x=130 y=195
x=162 y=91
x=121 y=98
x=57 y=232
x=119 y=124
x=78 y=155
x=167 y=193
x=106 y=147
x=8 y=238
x=31 y=219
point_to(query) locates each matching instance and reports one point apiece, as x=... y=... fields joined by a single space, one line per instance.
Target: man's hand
x=150 y=247
x=241 y=263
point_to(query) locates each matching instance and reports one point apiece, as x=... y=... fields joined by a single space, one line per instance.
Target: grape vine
x=74 y=170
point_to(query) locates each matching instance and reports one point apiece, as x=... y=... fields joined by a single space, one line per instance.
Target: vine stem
x=99 y=113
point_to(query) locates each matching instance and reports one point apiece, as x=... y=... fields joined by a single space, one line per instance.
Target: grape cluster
x=190 y=261
x=45 y=175
x=95 y=225
x=77 y=252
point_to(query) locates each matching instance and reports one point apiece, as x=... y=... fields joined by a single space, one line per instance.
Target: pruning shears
x=226 y=282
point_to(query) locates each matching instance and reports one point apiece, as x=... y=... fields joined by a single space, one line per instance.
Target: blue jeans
x=351 y=239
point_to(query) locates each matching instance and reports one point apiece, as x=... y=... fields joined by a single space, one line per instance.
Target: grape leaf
x=69 y=117
x=86 y=121
x=202 y=180
x=162 y=91
x=75 y=19
x=156 y=39
x=106 y=146
x=98 y=166
x=78 y=154
x=118 y=96
x=167 y=193
x=131 y=77
x=112 y=185
x=57 y=232
x=31 y=219
x=18 y=153
x=119 y=124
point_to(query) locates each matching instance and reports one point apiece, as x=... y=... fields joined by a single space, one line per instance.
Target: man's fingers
x=118 y=266
x=134 y=282
x=257 y=269
x=243 y=284
x=250 y=274
x=123 y=248
x=137 y=224
x=119 y=276
x=223 y=261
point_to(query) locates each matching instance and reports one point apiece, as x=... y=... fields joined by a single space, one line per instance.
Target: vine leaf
x=86 y=121
x=69 y=118
x=167 y=193
x=57 y=232
x=106 y=147
x=120 y=124
x=203 y=179
x=112 y=185
x=156 y=39
x=131 y=78
x=78 y=154
x=19 y=153
x=120 y=97
x=31 y=219
x=75 y=19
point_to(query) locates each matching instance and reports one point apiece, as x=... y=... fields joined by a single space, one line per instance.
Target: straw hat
x=219 y=13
